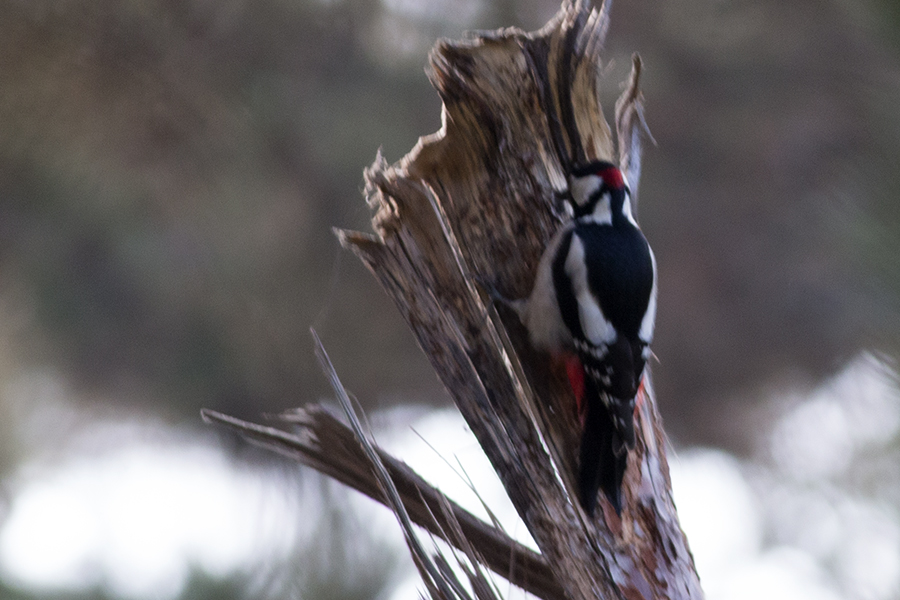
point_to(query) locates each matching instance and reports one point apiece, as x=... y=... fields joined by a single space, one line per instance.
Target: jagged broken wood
x=440 y=581
x=323 y=442
x=478 y=201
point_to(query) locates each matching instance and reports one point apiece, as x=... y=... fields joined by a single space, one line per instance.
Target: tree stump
x=477 y=202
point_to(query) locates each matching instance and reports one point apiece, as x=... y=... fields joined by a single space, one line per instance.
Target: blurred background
x=170 y=171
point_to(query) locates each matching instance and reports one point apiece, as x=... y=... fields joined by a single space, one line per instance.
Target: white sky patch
x=781 y=573
x=134 y=519
x=868 y=558
x=440 y=447
x=813 y=441
x=717 y=509
x=722 y=518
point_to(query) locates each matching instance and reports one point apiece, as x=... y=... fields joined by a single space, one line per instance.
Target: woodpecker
x=594 y=305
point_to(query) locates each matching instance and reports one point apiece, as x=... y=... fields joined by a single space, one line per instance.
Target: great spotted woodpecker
x=594 y=303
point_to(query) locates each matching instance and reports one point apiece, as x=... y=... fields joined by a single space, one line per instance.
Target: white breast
x=540 y=314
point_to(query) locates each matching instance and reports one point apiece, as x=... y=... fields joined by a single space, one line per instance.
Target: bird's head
x=599 y=191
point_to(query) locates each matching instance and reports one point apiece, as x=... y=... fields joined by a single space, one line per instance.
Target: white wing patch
x=597 y=330
x=626 y=209
x=649 y=321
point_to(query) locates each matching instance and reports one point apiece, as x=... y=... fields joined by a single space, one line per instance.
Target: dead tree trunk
x=476 y=201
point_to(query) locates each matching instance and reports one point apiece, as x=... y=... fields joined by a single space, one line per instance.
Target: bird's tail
x=608 y=435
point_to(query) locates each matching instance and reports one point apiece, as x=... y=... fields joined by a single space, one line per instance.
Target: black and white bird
x=594 y=304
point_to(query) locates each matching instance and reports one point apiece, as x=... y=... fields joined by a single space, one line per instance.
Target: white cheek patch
x=583 y=187
x=596 y=328
x=602 y=214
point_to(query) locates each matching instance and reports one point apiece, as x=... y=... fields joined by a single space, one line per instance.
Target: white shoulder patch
x=649 y=321
x=596 y=328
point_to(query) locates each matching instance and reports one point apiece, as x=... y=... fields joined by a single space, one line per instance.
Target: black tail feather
x=604 y=452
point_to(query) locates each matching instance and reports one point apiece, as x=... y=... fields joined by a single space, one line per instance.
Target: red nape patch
x=576 y=379
x=613 y=177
